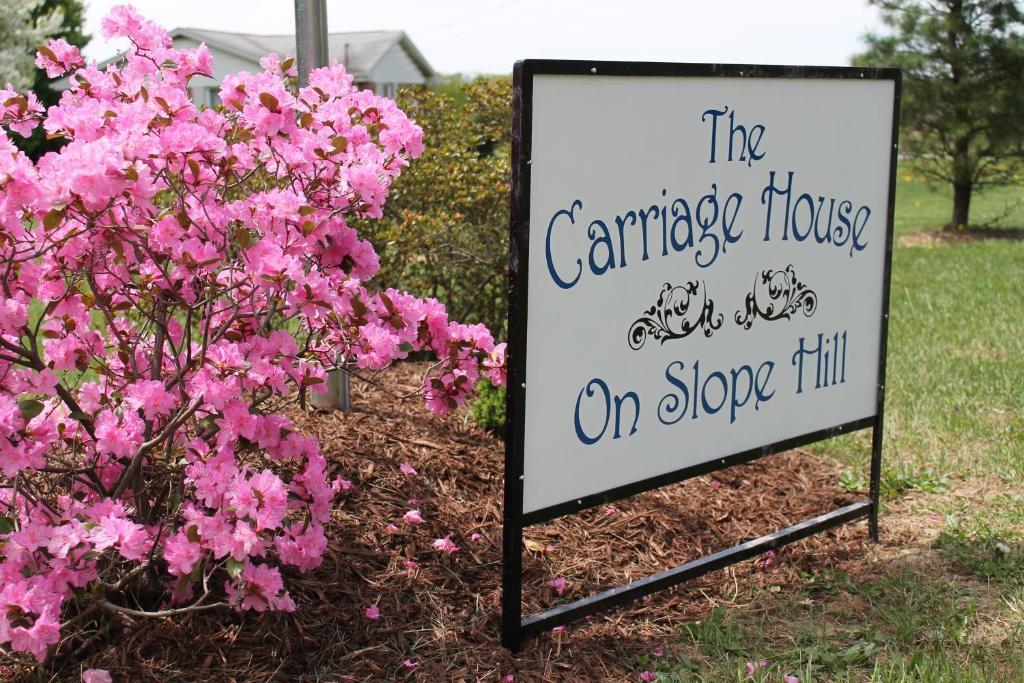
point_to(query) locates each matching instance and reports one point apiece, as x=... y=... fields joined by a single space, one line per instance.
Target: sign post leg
x=876 y=478
x=512 y=590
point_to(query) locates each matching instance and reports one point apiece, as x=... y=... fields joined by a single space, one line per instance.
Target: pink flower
x=558 y=629
x=558 y=583
x=372 y=612
x=407 y=469
x=181 y=554
x=648 y=676
x=508 y=678
x=475 y=536
x=412 y=517
x=446 y=544
x=131 y=539
x=58 y=57
x=96 y=676
x=754 y=667
x=658 y=652
x=789 y=678
x=151 y=397
x=391 y=528
x=411 y=567
x=261 y=588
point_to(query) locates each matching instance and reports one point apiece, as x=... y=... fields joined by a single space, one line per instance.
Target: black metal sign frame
x=515 y=629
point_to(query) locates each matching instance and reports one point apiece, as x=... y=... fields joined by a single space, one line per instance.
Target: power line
x=469 y=18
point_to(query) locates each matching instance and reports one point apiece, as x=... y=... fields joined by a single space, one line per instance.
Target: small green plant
x=489 y=408
x=894 y=484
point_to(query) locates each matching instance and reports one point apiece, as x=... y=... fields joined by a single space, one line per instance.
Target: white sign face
x=707 y=262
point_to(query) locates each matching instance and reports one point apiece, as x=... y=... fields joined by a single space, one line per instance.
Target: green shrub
x=445 y=228
x=489 y=407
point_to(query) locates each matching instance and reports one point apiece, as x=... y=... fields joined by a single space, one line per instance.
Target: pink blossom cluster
x=172 y=277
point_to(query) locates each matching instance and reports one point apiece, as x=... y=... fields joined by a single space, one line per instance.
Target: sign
x=699 y=272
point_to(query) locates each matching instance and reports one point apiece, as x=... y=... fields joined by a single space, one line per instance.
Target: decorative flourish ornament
x=679 y=311
x=777 y=294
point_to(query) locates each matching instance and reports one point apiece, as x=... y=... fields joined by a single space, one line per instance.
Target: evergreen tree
x=963 y=88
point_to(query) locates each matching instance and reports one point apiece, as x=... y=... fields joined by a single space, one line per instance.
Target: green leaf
x=6 y=525
x=235 y=567
x=30 y=407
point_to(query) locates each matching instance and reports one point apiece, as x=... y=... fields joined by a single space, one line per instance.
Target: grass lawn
x=942 y=598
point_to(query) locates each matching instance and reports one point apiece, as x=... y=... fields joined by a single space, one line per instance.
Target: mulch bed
x=445 y=616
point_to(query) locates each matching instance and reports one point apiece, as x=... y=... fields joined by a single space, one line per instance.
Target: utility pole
x=311 y=53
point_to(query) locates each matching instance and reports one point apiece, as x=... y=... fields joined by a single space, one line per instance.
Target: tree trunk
x=961 y=205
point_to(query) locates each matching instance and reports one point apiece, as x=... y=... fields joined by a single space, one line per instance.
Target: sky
x=488 y=36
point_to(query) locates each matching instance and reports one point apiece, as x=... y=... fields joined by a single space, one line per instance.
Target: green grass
x=955 y=438
x=903 y=627
x=924 y=206
x=954 y=397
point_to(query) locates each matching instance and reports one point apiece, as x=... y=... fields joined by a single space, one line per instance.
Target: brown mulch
x=445 y=616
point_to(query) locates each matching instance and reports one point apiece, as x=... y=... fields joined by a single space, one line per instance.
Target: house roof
x=360 y=51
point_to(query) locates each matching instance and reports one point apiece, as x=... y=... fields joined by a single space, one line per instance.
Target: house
x=380 y=60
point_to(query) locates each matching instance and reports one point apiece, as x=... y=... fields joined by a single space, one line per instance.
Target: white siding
x=395 y=67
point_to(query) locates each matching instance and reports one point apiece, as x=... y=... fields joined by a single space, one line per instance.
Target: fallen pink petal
x=754 y=667
x=558 y=583
x=410 y=664
x=446 y=544
x=658 y=652
x=372 y=612
x=412 y=517
x=648 y=676
x=766 y=560
x=407 y=469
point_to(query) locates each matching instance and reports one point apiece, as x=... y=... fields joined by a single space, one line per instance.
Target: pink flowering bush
x=172 y=278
